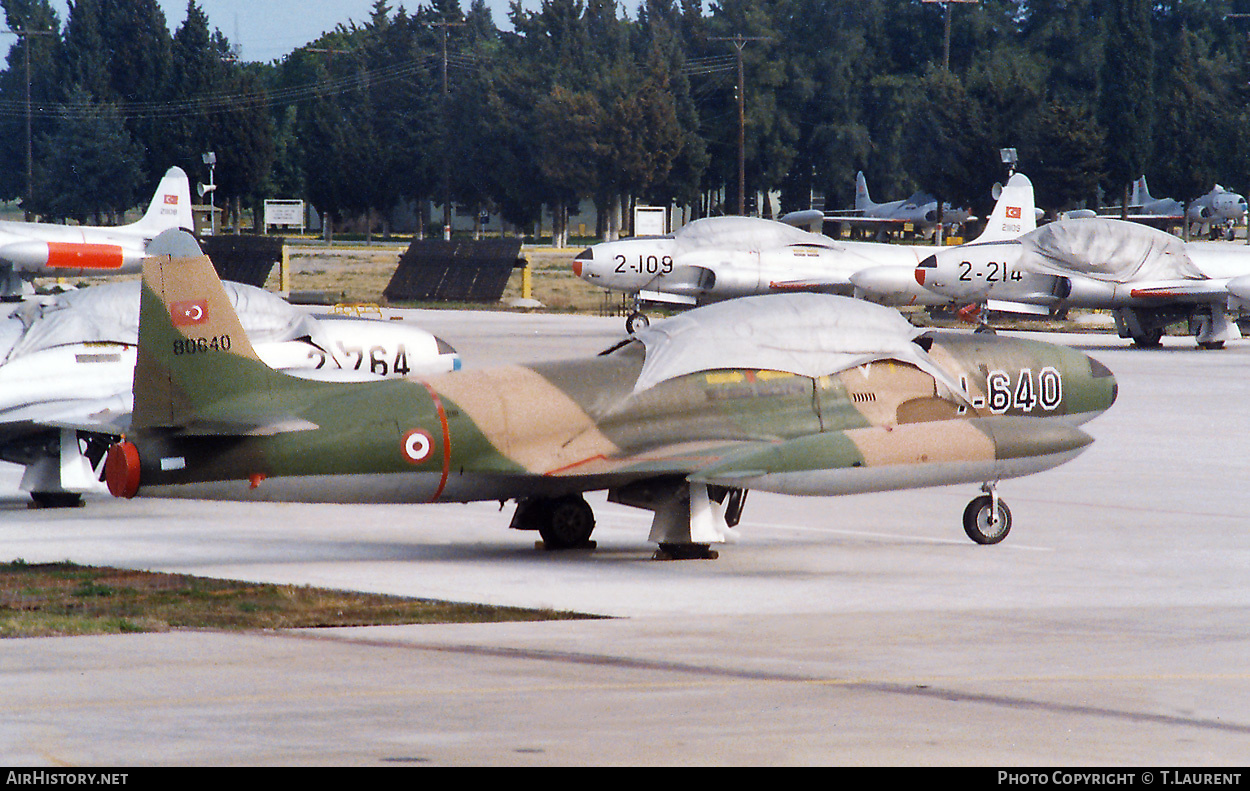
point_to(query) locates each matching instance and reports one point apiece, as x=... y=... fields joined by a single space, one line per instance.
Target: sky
x=269 y=29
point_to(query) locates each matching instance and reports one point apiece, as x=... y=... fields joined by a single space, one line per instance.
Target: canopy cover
x=743 y=233
x=1115 y=251
x=807 y=334
x=110 y=313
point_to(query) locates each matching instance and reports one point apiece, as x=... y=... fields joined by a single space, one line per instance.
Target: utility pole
x=740 y=41
x=446 y=134
x=25 y=35
x=1246 y=60
x=946 y=50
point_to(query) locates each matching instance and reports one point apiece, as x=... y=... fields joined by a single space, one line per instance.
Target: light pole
x=446 y=133
x=210 y=188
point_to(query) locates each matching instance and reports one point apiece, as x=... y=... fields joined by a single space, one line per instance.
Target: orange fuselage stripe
x=442 y=418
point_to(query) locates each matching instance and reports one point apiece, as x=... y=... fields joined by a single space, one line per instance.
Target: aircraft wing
x=887 y=221
x=676 y=459
x=860 y=219
x=25 y=438
x=844 y=462
x=104 y=415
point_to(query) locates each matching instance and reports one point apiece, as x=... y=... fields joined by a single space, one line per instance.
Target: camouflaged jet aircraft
x=804 y=394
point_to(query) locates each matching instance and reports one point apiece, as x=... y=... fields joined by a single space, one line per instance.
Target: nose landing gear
x=987 y=519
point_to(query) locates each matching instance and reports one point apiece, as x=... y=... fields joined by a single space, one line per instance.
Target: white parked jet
x=1148 y=278
x=67 y=368
x=718 y=258
x=36 y=249
x=1217 y=207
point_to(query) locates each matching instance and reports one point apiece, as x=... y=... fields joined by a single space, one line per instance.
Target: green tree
x=1188 y=154
x=43 y=52
x=1127 y=107
x=946 y=141
x=97 y=167
x=568 y=128
x=1063 y=155
x=139 y=60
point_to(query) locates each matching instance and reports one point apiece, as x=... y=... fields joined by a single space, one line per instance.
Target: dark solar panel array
x=436 y=270
x=245 y=258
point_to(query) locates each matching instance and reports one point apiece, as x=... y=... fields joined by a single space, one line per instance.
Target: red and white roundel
x=417 y=445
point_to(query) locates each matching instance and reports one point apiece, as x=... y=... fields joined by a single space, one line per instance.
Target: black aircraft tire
x=56 y=500
x=568 y=523
x=636 y=321
x=977 y=521
x=1150 y=340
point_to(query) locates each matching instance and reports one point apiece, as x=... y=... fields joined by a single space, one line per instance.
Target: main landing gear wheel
x=1151 y=339
x=982 y=524
x=55 y=500
x=566 y=523
x=636 y=321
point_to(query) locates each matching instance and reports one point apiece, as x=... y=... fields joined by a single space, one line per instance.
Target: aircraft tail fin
x=1014 y=214
x=862 y=200
x=196 y=370
x=170 y=206
x=1141 y=193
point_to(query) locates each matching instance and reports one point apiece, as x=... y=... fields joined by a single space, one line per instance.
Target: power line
x=226 y=101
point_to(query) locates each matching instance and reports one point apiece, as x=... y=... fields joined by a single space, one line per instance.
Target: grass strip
x=61 y=599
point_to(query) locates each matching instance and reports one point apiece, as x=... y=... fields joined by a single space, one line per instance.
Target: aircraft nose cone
x=581 y=259
x=928 y=263
x=1089 y=387
x=1098 y=371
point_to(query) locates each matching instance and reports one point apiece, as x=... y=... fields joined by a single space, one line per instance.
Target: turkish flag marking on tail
x=1013 y=212
x=171 y=200
x=193 y=311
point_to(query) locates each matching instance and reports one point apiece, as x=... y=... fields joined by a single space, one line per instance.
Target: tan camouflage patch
x=922 y=443
x=525 y=418
x=879 y=390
